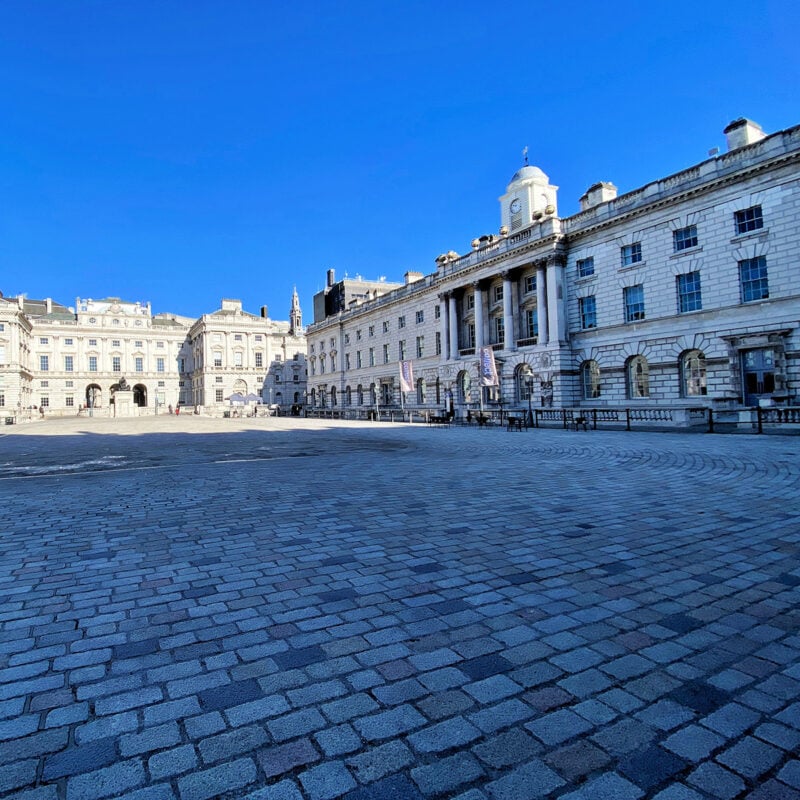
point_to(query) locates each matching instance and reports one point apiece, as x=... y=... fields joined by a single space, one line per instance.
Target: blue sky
x=181 y=152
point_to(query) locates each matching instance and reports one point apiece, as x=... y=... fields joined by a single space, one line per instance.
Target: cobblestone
x=385 y=639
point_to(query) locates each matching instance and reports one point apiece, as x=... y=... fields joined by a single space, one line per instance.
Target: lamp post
x=529 y=385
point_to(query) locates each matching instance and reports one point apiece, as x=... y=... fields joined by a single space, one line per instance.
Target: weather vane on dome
x=525 y=154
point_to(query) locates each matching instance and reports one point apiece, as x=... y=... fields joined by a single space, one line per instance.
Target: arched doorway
x=140 y=395
x=94 y=396
x=111 y=391
x=240 y=387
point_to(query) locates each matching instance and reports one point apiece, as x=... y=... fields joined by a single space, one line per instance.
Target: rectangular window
x=386 y=326
x=44 y=401
x=92 y=342
x=420 y=346
x=69 y=363
x=160 y=345
x=753 y=279
x=115 y=343
x=401 y=322
x=438 y=341
x=470 y=301
x=631 y=254
x=748 y=220
x=259 y=359
x=69 y=401
x=372 y=356
x=44 y=340
x=386 y=354
x=237 y=337
x=161 y=383
x=585 y=267
x=587 y=308
x=181 y=365
x=138 y=344
x=684 y=238
x=634 y=303
x=116 y=364
x=2 y=400
x=371 y=330
x=217 y=359
x=69 y=384
x=401 y=350
x=2 y=326
x=498 y=293
x=159 y=365
x=218 y=379
x=530 y=284
x=67 y=342
x=437 y=312
x=531 y=323
x=92 y=363
x=44 y=384
x=358 y=335
x=218 y=395
x=258 y=337
x=499 y=330
x=420 y=317
x=347 y=361
x=347 y=338
x=689 y=292
x=44 y=363
x=138 y=364
x=237 y=358
x=358 y=360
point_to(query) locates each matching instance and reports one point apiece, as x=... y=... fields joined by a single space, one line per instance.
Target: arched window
x=438 y=391
x=693 y=374
x=313 y=397
x=638 y=378
x=348 y=396
x=590 y=379
x=373 y=395
x=360 y=394
x=333 y=396
x=523 y=382
x=420 y=391
x=464 y=386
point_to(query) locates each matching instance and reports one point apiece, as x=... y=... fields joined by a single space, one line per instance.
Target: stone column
x=510 y=342
x=453 y=328
x=541 y=304
x=479 y=338
x=555 y=299
x=444 y=328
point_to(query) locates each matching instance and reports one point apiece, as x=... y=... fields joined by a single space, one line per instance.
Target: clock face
x=515 y=206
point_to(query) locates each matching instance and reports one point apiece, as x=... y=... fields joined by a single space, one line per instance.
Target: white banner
x=488 y=370
x=406 y=376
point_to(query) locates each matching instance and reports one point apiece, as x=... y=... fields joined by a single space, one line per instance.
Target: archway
x=94 y=396
x=240 y=387
x=140 y=395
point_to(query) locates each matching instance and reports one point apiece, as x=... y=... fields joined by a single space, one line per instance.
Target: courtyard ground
x=292 y=609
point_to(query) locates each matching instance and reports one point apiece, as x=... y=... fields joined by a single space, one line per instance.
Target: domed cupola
x=529 y=198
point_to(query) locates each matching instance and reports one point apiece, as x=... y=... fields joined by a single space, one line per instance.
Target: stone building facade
x=65 y=359
x=684 y=292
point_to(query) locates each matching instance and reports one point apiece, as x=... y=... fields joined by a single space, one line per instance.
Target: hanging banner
x=487 y=367
x=406 y=376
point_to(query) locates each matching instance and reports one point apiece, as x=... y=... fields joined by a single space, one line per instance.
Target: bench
x=577 y=422
x=439 y=419
x=515 y=423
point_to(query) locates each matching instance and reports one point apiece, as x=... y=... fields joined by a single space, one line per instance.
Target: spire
x=295 y=315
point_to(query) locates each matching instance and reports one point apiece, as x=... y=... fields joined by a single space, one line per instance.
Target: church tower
x=295 y=316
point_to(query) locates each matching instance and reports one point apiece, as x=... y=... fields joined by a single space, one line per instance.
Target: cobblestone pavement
x=288 y=610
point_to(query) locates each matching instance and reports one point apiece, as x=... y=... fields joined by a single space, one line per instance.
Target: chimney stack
x=742 y=132
x=264 y=313
x=48 y=304
x=331 y=278
x=598 y=193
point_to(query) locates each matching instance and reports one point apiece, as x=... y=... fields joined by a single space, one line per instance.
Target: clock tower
x=529 y=198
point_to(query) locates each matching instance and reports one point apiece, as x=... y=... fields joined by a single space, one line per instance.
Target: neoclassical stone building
x=63 y=359
x=684 y=292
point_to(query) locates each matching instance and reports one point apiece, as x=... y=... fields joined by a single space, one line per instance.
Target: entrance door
x=758 y=372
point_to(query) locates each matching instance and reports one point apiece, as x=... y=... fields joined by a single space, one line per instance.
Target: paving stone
x=503 y=715
x=284 y=790
x=651 y=767
x=279 y=759
x=295 y=724
x=389 y=723
x=447 y=735
x=327 y=781
x=750 y=757
x=447 y=774
x=624 y=737
x=507 y=749
x=170 y=763
x=76 y=760
x=558 y=727
x=217 y=780
x=527 y=782
x=576 y=760
x=377 y=762
x=229 y=695
x=774 y=790
x=114 y=780
x=395 y=787
x=338 y=741
x=607 y=787
x=232 y=743
x=716 y=780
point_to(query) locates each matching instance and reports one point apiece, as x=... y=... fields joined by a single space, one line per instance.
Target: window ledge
x=689 y=251
x=587 y=278
x=743 y=237
x=628 y=267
